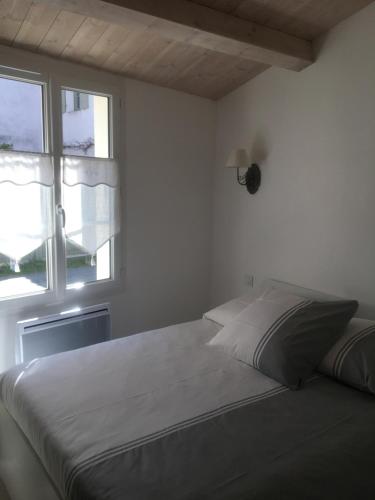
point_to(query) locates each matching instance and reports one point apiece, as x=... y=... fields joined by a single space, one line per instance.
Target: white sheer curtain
x=91 y=201
x=26 y=191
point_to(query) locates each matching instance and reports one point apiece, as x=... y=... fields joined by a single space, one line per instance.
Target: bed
x=162 y=415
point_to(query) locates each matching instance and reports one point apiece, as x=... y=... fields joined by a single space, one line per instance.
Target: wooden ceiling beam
x=184 y=21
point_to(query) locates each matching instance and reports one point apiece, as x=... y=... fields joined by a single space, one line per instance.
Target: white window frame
x=57 y=291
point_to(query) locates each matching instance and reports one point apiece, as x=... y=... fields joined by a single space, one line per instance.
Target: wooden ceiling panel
x=61 y=32
x=143 y=62
x=184 y=21
x=80 y=45
x=152 y=51
x=35 y=26
x=216 y=75
x=12 y=15
x=173 y=62
x=306 y=19
x=134 y=43
x=106 y=45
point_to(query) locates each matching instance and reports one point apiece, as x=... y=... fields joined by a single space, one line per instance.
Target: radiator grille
x=63 y=332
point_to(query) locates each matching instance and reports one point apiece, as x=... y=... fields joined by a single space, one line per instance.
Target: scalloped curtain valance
x=26 y=194
x=90 y=171
x=91 y=201
x=26 y=168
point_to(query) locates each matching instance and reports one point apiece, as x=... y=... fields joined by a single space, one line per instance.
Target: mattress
x=161 y=415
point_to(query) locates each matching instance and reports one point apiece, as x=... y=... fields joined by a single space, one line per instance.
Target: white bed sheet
x=78 y=404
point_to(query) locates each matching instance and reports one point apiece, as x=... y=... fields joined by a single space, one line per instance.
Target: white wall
x=313 y=133
x=167 y=140
x=169 y=154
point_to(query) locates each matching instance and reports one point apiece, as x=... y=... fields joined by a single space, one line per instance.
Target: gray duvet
x=161 y=415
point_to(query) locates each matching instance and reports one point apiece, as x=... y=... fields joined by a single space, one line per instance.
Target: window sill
x=71 y=296
x=13 y=288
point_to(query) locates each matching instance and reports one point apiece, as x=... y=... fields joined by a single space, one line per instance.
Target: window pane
x=85 y=124
x=83 y=268
x=21 y=116
x=25 y=209
x=26 y=277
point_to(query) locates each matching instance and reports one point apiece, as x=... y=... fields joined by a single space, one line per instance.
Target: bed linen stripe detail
x=125 y=447
x=346 y=348
x=274 y=327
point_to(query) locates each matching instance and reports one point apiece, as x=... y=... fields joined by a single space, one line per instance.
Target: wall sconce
x=239 y=158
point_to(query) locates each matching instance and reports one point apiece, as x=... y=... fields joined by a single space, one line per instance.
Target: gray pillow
x=352 y=359
x=285 y=336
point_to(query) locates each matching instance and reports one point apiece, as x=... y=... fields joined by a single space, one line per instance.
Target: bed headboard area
x=364 y=311
x=306 y=292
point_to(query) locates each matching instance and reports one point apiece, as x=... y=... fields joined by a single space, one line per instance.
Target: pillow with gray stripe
x=352 y=359
x=285 y=336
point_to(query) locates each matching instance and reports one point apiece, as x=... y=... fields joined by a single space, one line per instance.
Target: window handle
x=61 y=212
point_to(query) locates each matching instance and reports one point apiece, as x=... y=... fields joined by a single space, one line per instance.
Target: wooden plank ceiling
x=157 y=56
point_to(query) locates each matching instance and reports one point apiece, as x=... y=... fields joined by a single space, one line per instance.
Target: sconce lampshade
x=238 y=158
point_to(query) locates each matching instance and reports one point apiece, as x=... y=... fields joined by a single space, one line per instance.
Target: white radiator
x=65 y=331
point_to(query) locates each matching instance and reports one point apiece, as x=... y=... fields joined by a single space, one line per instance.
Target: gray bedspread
x=161 y=415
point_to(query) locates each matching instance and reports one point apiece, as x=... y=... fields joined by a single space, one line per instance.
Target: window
x=21 y=116
x=89 y=205
x=25 y=204
x=81 y=232
x=85 y=133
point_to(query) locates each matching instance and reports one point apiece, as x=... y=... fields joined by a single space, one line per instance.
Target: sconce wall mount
x=251 y=179
x=238 y=159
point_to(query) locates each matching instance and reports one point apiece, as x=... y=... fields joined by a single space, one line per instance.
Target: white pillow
x=224 y=313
